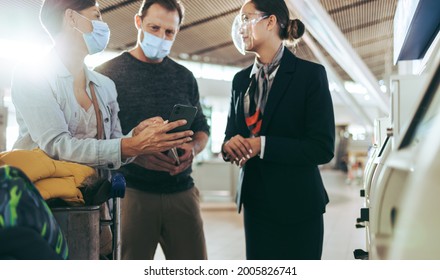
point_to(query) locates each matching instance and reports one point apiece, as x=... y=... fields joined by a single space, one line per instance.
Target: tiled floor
x=224 y=227
x=341 y=236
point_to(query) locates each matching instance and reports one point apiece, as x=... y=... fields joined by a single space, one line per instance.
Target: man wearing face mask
x=161 y=203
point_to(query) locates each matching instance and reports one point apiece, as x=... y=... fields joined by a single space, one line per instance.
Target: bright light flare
x=17 y=51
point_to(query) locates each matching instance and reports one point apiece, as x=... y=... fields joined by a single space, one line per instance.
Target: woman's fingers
x=154 y=137
x=178 y=135
x=147 y=123
x=244 y=147
x=227 y=147
x=237 y=148
x=172 y=125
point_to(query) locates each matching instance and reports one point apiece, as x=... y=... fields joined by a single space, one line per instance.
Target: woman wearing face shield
x=280 y=128
x=71 y=112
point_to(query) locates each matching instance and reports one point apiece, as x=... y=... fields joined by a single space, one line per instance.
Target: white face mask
x=155 y=48
x=97 y=40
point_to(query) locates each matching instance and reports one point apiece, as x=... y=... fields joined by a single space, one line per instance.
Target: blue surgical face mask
x=97 y=40
x=155 y=48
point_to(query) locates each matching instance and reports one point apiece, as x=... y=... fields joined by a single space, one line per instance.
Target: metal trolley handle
x=117 y=192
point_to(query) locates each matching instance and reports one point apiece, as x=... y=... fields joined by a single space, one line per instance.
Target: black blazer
x=299 y=127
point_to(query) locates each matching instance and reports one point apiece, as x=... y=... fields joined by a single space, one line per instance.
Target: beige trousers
x=171 y=220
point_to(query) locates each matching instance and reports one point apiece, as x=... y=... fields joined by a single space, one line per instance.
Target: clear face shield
x=242 y=30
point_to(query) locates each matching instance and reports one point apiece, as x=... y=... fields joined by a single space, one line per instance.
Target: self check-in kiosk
x=390 y=167
x=416 y=227
x=375 y=155
x=402 y=207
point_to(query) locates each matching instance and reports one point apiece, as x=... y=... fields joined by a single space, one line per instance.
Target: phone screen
x=181 y=112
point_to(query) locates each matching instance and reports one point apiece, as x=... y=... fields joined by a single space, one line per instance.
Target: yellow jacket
x=52 y=178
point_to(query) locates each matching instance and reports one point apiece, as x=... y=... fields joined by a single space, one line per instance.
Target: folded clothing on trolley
x=54 y=178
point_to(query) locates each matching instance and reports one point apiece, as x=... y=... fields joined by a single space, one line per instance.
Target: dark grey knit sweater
x=147 y=90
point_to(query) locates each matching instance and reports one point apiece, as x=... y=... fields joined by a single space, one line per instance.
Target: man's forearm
x=200 y=140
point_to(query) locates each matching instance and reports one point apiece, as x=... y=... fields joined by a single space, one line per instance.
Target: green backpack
x=21 y=205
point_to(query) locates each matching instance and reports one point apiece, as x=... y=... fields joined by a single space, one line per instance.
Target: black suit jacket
x=299 y=127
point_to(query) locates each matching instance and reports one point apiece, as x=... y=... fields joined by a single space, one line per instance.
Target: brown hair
x=52 y=12
x=170 y=5
x=288 y=29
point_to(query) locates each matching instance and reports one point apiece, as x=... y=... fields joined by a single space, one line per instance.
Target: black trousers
x=269 y=240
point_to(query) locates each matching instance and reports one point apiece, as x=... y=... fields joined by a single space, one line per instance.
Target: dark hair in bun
x=295 y=29
x=289 y=29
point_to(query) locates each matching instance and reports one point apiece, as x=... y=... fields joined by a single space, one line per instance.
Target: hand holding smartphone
x=180 y=112
x=183 y=112
x=173 y=154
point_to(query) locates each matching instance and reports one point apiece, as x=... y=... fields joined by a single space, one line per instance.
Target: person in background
x=71 y=112
x=161 y=203
x=280 y=128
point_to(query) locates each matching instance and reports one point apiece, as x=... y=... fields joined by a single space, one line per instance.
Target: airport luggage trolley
x=81 y=225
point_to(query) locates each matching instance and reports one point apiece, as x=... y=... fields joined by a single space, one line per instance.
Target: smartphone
x=185 y=112
x=175 y=153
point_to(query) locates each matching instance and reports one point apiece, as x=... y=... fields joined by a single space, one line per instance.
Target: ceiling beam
x=349 y=6
x=367 y=24
x=208 y=19
x=372 y=41
x=118 y=6
x=346 y=97
x=329 y=35
x=370 y=55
